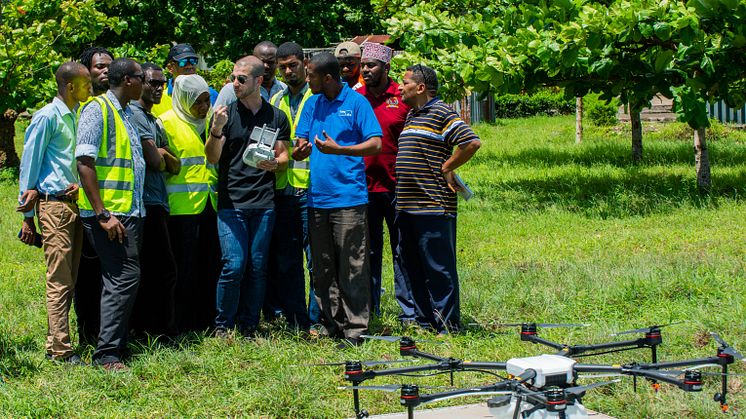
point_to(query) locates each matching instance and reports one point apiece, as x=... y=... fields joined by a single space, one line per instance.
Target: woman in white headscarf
x=192 y=198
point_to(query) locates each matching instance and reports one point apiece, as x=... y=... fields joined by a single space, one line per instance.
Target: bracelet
x=215 y=136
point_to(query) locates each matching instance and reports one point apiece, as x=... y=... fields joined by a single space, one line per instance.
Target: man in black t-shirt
x=245 y=198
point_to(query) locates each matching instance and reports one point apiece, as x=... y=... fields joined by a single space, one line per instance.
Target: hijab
x=186 y=91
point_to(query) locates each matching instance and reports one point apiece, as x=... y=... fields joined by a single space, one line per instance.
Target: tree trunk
x=578 y=119
x=702 y=160
x=634 y=118
x=8 y=156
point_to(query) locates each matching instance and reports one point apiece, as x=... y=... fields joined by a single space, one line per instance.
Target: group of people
x=179 y=227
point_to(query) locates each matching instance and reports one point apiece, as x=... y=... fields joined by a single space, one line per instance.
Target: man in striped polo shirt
x=426 y=198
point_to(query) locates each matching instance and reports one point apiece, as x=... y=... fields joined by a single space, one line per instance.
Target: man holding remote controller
x=246 y=213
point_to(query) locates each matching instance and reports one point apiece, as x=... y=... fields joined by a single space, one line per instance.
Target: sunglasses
x=187 y=61
x=155 y=84
x=241 y=78
x=140 y=76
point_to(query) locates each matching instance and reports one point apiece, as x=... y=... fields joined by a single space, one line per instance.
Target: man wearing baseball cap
x=348 y=55
x=181 y=60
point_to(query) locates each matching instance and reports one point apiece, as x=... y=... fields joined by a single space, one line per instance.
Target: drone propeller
x=386 y=387
x=727 y=349
x=364 y=363
x=645 y=329
x=580 y=390
x=545 y=325
x=393 y=339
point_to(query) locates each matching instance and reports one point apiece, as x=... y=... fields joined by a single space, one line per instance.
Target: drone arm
x=685 y=363
x=404 y=370
x=419 y=354
x=507 y=385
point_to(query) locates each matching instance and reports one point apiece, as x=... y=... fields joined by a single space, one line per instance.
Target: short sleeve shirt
x=426 y=142
x=337 y=181
x=154 y=189
x=391 y=113
x=241 y=186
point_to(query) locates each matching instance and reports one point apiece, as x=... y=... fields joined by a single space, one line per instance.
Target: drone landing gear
x=354 y=373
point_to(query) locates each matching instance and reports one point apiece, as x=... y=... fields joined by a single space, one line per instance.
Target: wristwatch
x=104 y=215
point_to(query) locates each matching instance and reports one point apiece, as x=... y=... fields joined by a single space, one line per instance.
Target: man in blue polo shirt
x=343 y=128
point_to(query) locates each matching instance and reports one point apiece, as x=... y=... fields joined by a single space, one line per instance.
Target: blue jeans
x=286 y=288
x=245 y=236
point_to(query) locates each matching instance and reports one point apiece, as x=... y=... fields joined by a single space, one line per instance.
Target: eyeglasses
x=187 y=61
x=241 y=78
x=155 y=84
x=140 y=76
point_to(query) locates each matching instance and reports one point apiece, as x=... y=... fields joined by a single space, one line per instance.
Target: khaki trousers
x=62 y=235
x=341 y=272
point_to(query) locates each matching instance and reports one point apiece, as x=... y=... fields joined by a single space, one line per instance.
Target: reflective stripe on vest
x=297 y=173
x=116 y=178
x=196 y=183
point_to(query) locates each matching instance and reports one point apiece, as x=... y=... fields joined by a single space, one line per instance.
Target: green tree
x=37 y=36
x=230 y=29
x=630 y=49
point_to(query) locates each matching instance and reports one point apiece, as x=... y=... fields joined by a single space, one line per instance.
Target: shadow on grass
x=13 y=362
x=633 y=193
x=615 y=153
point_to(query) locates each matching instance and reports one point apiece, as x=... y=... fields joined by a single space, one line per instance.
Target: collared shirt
x=90 y=135
x=391 y=113
x=227 y=95
x=47 y=164
x=154 y=188
x=337 y=181
x=426 y=142
x=241 y=186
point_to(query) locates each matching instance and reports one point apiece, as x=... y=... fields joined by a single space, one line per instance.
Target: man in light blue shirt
x=342 y=127
x=49 y=188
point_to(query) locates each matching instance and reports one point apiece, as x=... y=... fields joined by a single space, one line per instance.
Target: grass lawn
x=557 y=232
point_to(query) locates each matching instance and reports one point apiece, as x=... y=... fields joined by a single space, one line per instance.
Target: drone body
x=504 y=407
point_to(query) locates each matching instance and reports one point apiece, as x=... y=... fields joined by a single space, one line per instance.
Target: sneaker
x=114 y=366
x=349 y=343
x=70 y=360
x=220 y=333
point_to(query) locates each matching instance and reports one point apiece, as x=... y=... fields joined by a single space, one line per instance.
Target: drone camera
x=552 y=370
x=262 y=149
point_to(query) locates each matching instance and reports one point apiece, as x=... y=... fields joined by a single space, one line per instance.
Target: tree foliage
x=632 y=49
x=230 y=29
x=36 y=36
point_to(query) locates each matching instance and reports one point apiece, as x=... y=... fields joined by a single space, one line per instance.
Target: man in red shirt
x=383 y=95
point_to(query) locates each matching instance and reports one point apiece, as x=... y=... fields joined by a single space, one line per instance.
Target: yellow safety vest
x=196 y=183
x=165 y=105
x=297 y=172
x=116 y=177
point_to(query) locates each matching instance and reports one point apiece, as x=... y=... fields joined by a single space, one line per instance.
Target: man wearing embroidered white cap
x=383 y=94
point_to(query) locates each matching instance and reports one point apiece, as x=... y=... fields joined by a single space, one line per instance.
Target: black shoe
x=349 y=343
x=221 y=333
x=70 y=360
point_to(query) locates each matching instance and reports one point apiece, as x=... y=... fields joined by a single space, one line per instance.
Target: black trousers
x=382 y=208
x=87 y=299
x=194 y=241
x=120 y=273
x=428 y=263
x=154 y=306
